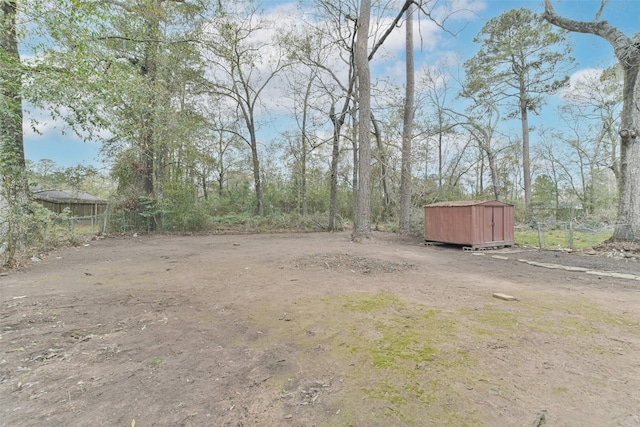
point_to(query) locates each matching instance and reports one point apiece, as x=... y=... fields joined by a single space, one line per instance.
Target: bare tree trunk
x=382 y=159
x=628 y=54
x=255 y=161
x=628 y=222
x=249 y=119
x=303 y=185
x=221 y=168
x=149 y=70
x=404 y=216
x=485 y=135
x=354 y=144
x=362 y=229
x=335 y=157
x=439 y=152
x=14 y=193
x=338 y=122
x=526 y=159
x=480 y=174
x=220 y=184
x=203 y=180
x=493 y=169
x=304 y=148
x=11 y=118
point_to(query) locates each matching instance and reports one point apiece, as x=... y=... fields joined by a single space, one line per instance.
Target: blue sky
x=66 y=149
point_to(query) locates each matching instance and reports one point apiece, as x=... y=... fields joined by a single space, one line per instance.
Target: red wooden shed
x=477 y=224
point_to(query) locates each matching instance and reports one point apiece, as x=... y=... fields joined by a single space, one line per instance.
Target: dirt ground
x=313 y=330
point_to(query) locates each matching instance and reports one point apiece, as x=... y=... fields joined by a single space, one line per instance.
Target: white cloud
x=585 y=75
x=461 y=10
x=434 y=39
x=38 y=123
x=586 y=86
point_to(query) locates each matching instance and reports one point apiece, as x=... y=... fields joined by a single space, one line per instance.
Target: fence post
x=106 y=219
x=570 y=234
x=539 y=236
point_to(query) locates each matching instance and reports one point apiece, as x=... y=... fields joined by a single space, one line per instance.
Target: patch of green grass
x=370 y=303
x=527 y=317
x=586 y=313
x=494 y=320
x=559 y=238
x=400 y=343
x=387 y=391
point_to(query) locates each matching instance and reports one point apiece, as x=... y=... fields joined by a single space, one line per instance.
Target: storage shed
x=476 y=224
x=80 y=204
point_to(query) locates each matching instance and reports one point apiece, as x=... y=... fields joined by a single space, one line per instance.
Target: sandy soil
x=313 y=330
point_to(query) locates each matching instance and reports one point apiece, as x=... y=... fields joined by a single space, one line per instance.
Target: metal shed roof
x=59 y=196
x=456 y=203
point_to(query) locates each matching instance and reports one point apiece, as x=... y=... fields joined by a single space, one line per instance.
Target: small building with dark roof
x=79 y=203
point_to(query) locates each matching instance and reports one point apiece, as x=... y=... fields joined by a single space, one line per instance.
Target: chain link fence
x=564 y=234
x=72 y=229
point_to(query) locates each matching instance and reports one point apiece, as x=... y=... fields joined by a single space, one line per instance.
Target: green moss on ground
x=401 y=362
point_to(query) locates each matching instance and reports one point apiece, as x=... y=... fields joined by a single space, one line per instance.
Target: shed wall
x=77 y=209
x=449 y=224
x=476 y=225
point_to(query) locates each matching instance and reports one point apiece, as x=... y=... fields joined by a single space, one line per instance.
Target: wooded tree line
x=185 y=96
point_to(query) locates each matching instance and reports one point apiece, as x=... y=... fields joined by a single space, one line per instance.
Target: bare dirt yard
x=313 y=330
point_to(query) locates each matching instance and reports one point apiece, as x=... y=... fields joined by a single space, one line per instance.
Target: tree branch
x=129 y=39
x=393 y=25
x=604 y=2
x=623 y=46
